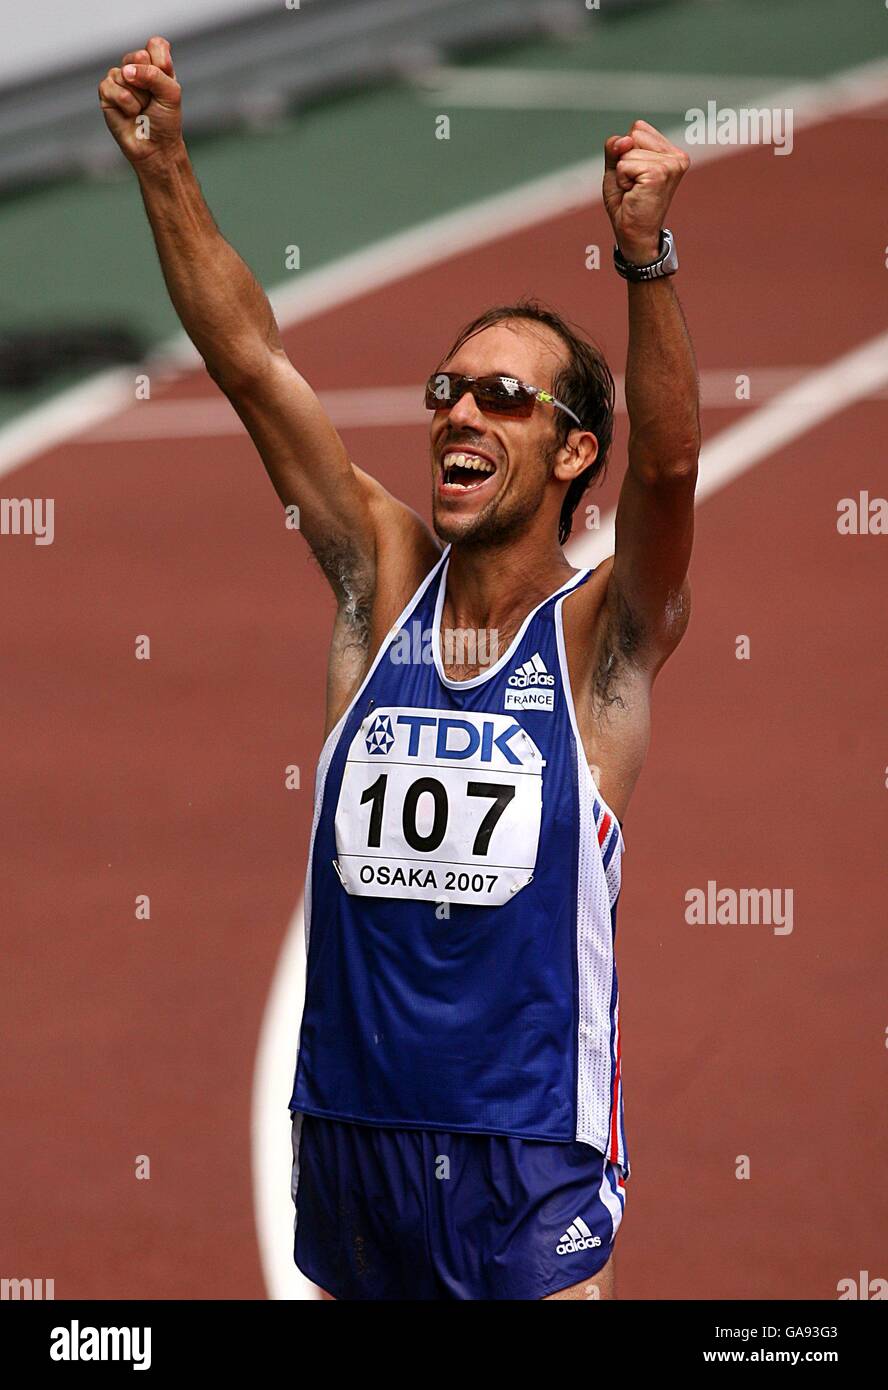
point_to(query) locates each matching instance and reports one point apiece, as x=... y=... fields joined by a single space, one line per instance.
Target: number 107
x=500 y=794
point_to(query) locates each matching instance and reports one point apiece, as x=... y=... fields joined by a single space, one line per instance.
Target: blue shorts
x=420 y=1214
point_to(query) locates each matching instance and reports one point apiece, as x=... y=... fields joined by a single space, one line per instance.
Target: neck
x=490 y=587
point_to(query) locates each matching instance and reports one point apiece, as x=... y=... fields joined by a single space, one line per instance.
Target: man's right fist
x=141 y=101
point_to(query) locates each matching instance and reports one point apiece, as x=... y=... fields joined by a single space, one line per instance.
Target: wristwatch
x=665 y=264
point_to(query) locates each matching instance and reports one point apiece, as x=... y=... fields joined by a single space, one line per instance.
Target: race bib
x=437 y=806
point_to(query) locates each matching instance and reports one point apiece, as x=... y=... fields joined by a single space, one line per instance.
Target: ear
x=578 y=452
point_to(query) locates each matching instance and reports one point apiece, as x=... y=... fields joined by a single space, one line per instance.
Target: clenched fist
x=141 y=101
x=641 y=173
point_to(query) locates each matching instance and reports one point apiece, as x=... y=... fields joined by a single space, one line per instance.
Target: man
x=457 y=1107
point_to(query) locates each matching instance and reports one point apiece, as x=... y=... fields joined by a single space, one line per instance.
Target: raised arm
x=648 y=592
x=343 y=512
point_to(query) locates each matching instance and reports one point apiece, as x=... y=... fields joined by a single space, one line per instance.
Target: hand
x=141 y=101
x=641 y=173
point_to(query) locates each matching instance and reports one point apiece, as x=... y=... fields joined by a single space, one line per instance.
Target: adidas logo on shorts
x=577 y=1237
x=530 y=686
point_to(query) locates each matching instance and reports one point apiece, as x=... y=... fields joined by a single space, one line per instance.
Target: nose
x=465 y=411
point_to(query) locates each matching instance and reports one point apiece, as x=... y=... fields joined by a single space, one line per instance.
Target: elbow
x=676 y=464
x=683 y=466
x=232 y=378
x=238 y=373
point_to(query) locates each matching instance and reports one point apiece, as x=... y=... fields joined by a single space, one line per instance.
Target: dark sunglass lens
x=504 y=395
x=499 y=395
x=442 y=390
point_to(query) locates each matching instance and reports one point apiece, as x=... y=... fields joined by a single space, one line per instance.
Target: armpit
x=622 y=641
x=349 y=575
x=631 y=640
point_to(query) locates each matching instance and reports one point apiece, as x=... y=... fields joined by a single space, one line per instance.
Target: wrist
x=640 y=252
x=163 y=163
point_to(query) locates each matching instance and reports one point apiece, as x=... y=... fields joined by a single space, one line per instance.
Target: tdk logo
x=577 y=1237
x=531 y=686
x=456 y=739
x=424 y=735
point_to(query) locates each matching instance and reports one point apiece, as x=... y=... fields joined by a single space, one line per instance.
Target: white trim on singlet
x=484 y=676
x=572 y=713
x=296 y=1118
x=596 y=1020
x=608 y=1197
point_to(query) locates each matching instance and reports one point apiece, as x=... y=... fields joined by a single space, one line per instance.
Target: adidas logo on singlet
x=530 y=686
x=577 y=1237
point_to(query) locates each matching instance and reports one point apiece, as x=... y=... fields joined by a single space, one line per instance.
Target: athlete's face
x=483 y=507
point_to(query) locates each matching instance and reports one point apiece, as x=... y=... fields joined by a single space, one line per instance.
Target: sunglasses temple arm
x=567 y=410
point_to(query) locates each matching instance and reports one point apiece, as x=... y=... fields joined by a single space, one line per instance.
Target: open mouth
x=464 y=471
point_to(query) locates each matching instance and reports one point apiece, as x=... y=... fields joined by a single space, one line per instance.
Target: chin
x=453 y=529
x=488 y=527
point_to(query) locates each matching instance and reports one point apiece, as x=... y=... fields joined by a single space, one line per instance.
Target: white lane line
x=859 y=375
x=57 y=421
x=270 y=1130
x=391 y=406
x=395 y=257
x=822 y=393
x=192 y=417
x=554 y=90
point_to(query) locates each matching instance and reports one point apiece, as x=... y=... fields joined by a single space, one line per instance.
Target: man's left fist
x=641 y=173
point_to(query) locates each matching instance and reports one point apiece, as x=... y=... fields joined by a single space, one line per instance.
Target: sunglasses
x=495 y=395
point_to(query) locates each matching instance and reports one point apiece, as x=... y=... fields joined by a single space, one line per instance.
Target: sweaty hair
x=584 y=383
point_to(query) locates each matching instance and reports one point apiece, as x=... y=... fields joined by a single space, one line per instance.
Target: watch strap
x=665 y=264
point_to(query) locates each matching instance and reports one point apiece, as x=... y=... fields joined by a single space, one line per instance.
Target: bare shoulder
x=406 y=549
x=583 y=613
x=609 y=636
x=612 y=662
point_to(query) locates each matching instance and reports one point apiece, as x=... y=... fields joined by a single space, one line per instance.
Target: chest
x=465 y=654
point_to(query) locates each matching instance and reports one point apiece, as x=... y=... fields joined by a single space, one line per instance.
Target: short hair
x=585 y=384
